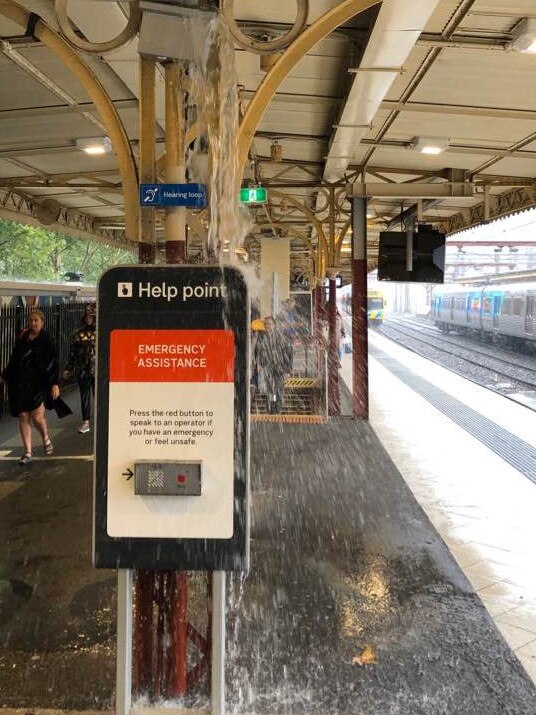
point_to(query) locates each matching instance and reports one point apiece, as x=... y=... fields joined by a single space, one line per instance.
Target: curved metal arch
x=340 y=239
x=108 y=113
x=290 y=229
x=307 y=212
x=288 y=60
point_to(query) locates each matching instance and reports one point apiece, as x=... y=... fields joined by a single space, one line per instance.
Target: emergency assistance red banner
x=172 y=356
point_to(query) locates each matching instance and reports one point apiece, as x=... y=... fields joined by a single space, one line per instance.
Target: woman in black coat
x=32 y=380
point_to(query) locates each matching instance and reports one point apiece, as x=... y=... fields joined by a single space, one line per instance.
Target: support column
x=143 y=633
x=179 y=634
x=175 y=168
x=334 y=400
x=176 y=253
x=147 y=124
x=161 y=638
x=318 y=310
x=359 y=308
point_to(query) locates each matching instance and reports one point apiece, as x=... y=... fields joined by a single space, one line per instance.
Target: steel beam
x=465 y=42
x=104 y=105
x=500 y=205
x=295 y=97
x=459 y=110
x=413 y=191
x=54 y=110
x=496 y=152
x=15 y=206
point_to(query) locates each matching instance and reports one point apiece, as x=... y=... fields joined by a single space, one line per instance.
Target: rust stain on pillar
x=143 y=633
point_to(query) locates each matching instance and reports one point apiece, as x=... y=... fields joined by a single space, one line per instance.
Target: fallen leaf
x=366 y=657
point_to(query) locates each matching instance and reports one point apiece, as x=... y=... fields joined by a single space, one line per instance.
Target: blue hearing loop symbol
x=150 y=195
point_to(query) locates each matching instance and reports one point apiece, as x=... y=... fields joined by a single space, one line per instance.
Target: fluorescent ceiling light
x=429 y=149
x=94 y=145
x=524 y=36
x=430 y=145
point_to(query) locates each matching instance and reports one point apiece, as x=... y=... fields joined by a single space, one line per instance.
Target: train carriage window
x=518 y=306
x=475 y=304
x=507 y=306
x=496 y=309
x=487 y=305
x=374 y=303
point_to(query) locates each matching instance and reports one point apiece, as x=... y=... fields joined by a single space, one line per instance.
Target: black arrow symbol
x=128 y=474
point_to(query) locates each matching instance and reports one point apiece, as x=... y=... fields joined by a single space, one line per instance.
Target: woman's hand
x=55 y=392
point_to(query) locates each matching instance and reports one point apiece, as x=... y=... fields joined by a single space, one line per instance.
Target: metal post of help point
x=123 y=688
x=218 y=643
x=123 y=696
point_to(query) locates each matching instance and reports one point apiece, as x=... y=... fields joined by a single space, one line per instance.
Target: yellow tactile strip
x=293 y=382
x=297 y=419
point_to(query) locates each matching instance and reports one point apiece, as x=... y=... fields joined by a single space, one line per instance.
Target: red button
x=181 y=478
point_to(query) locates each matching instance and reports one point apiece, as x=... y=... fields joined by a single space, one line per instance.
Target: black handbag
x=61 y=408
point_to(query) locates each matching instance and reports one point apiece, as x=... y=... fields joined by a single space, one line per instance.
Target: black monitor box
x=428 y=264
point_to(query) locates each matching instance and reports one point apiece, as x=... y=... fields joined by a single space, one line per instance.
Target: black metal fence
x=61 y=321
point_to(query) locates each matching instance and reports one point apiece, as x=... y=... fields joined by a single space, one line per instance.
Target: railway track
x=504 y=374
x=495 y=352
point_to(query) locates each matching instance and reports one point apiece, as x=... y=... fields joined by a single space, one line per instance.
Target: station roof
x=351 y=116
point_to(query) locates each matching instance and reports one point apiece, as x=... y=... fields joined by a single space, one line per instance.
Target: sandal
x=48 y=447
x=25 y=459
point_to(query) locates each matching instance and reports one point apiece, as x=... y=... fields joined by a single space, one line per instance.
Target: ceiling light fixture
x=94 y=145
x=429 y=145
x=524 y=36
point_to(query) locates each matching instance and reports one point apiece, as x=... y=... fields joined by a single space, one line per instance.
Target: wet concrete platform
x=353 y=603
x=57 y=613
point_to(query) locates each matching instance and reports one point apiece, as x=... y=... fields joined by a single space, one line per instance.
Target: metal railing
x=306 y=388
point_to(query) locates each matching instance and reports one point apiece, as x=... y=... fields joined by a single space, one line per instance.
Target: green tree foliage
x=35 y=253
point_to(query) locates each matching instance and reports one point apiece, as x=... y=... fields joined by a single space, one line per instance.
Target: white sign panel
x=171 y=397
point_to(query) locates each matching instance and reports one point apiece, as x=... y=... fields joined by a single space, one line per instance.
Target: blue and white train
x=502 y=312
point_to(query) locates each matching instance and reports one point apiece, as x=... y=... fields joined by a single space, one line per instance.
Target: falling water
x=213 y=159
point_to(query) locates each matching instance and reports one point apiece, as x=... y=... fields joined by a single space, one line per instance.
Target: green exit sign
x=256 y=195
